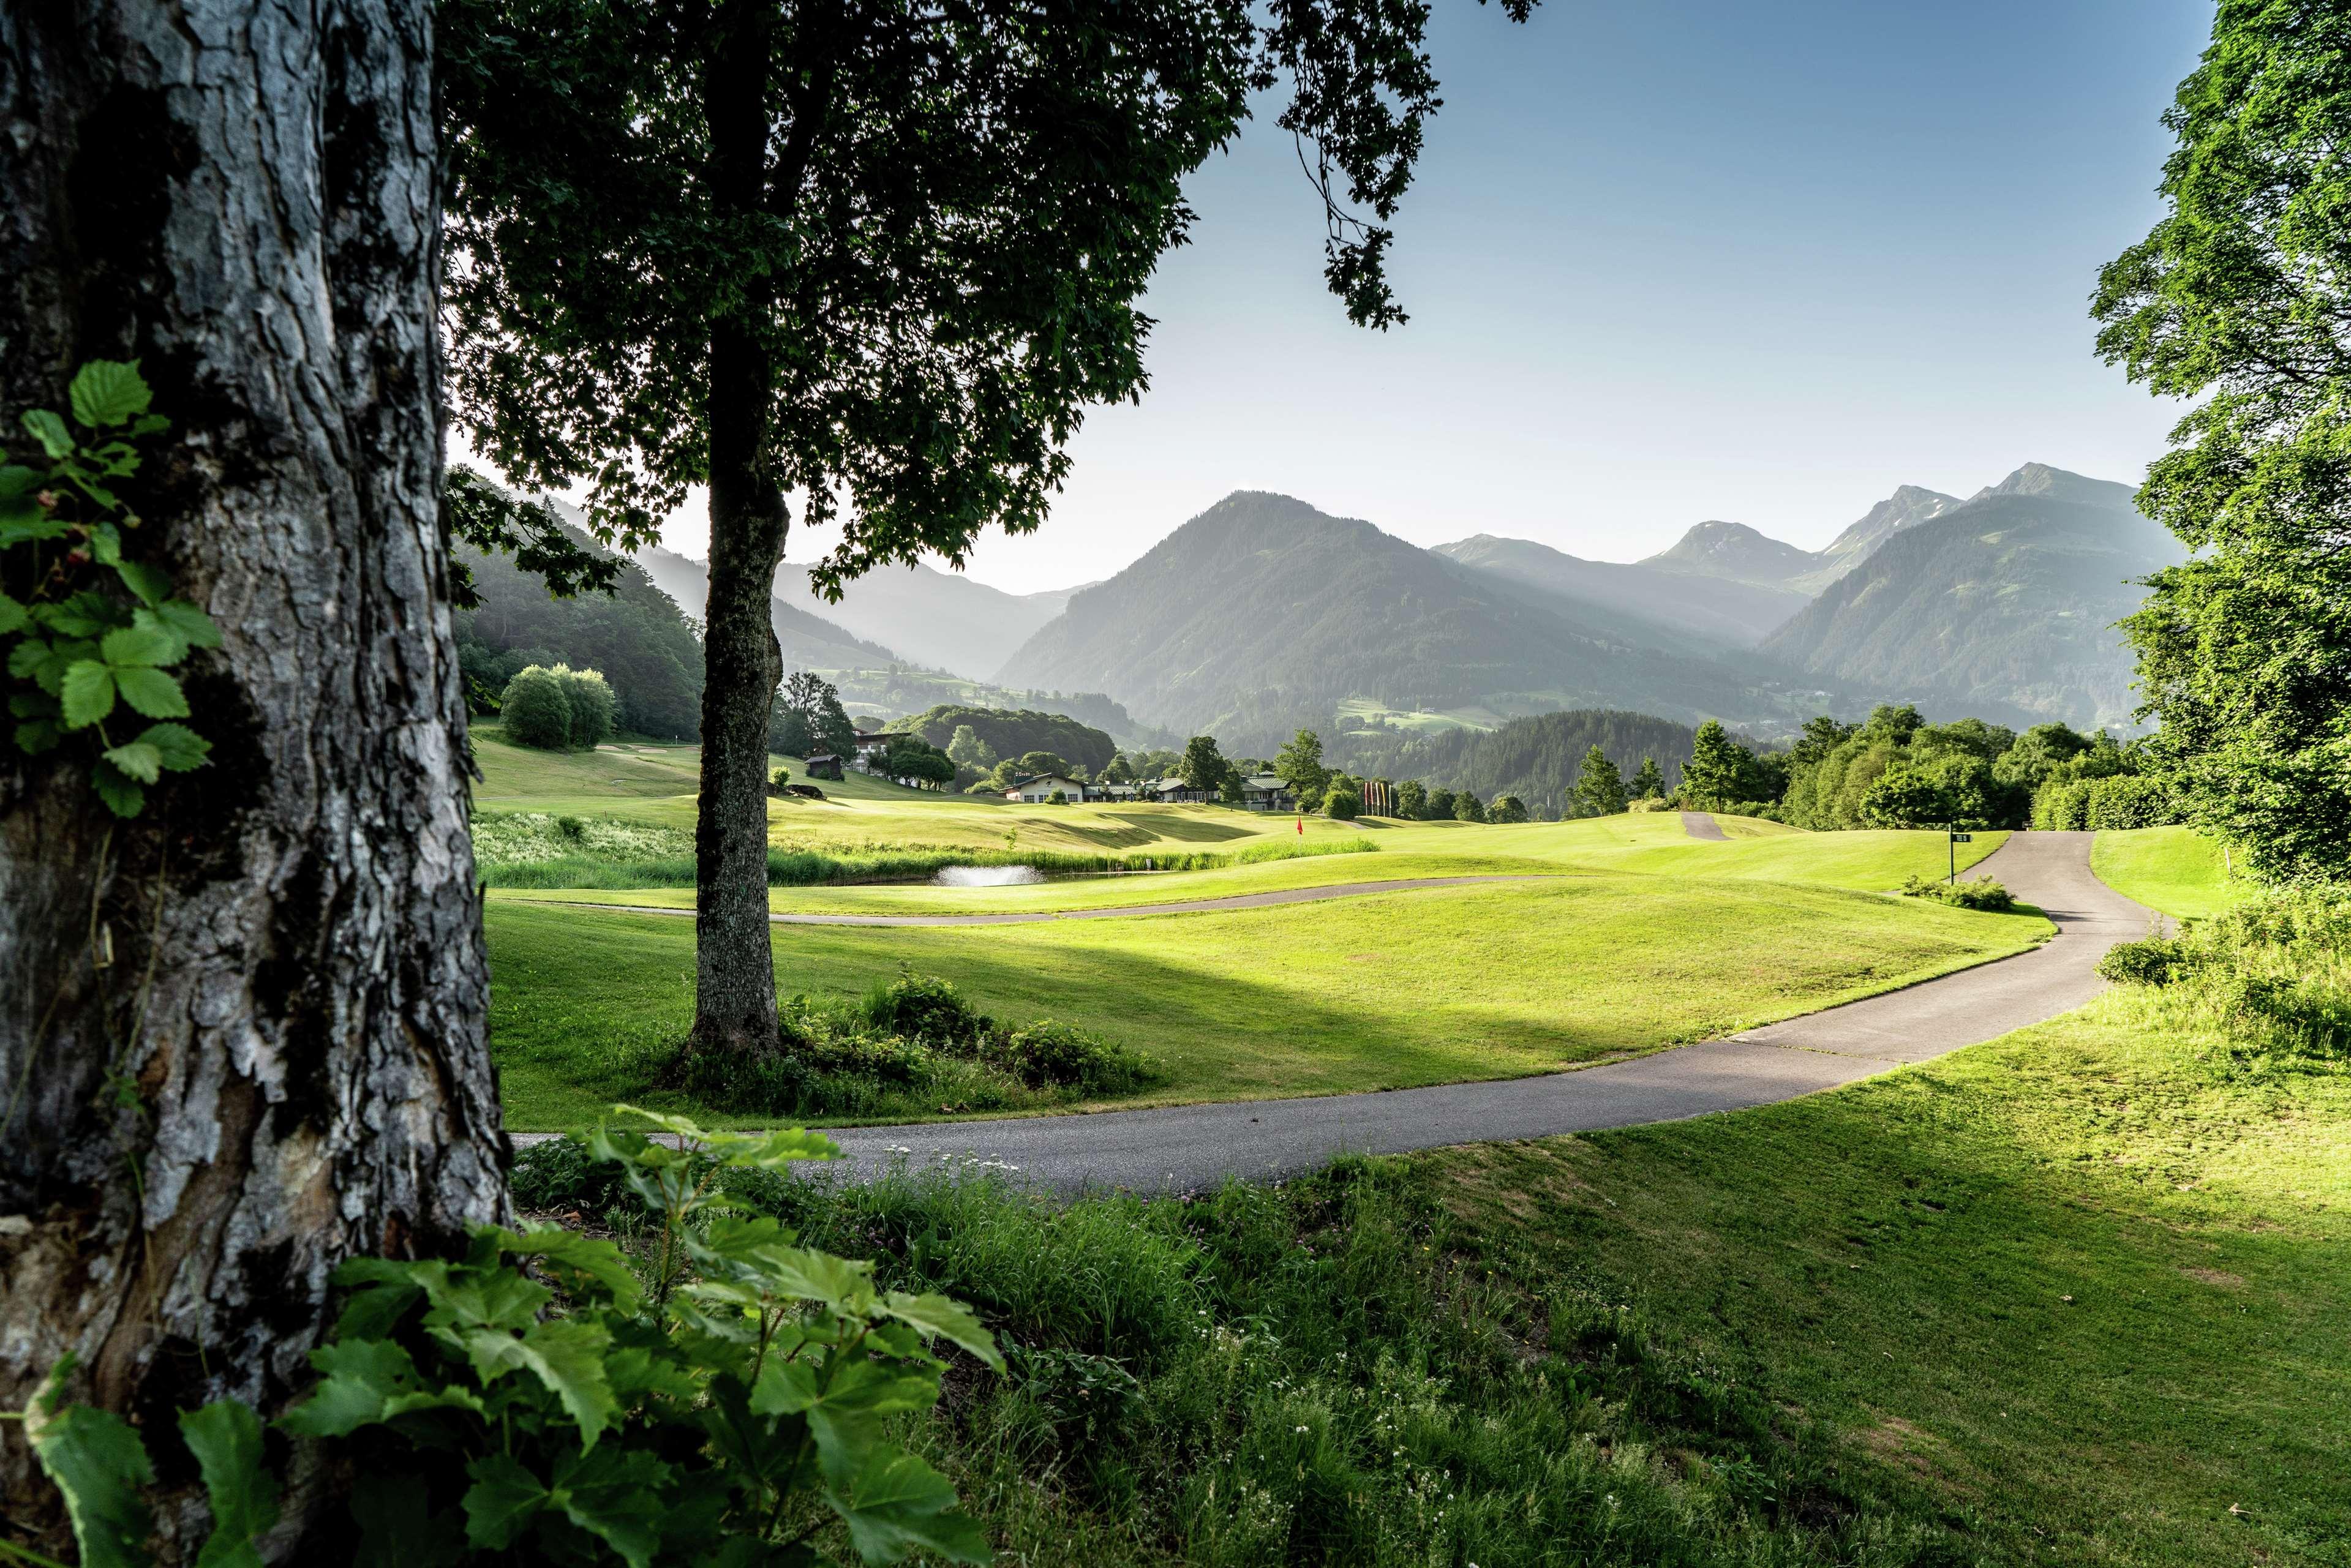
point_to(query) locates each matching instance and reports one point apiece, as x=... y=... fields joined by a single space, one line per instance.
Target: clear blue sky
x=1665 y=261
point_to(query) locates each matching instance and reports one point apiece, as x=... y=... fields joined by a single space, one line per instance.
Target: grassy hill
x=2067 y=1297
x=2004 y=606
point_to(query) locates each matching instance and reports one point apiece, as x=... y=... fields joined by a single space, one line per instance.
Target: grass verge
x=2176 y=870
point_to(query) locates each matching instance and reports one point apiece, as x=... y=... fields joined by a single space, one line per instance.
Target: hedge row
x=2124 y=800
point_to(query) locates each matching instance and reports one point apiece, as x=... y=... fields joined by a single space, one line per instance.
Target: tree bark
x=285 y=1062
x=734 y=973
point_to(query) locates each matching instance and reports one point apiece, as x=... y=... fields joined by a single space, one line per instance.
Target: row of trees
x=1895 y=770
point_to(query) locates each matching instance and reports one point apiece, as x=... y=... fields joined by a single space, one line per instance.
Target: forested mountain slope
x=1538 y=759
x=2008 y=602
x=635 y=636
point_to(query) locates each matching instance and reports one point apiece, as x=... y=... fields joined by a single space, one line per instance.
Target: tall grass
x=530 y=850
x=2272 y=975
x=1328 y=1372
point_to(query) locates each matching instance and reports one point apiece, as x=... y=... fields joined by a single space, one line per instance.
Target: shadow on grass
x=2047 y=1277
x=585 y=1002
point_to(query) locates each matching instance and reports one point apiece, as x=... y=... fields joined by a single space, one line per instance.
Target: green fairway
x=656 y=784
x=1376 y=992
x=1653 y=844
x=2176 y=870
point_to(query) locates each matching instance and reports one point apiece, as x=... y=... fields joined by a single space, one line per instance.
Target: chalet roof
x=819 y=756
x=1266 y=781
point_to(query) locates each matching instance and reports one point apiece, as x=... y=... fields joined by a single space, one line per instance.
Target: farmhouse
x=869 y=749
x=1040 y=789
x=824 y=765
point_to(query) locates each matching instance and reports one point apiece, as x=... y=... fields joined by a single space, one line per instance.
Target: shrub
x=536 y=709
x=1342 y=805
x=931 y=1010
x=1047 y=1054
x=1981 y=892
x=2151 y=961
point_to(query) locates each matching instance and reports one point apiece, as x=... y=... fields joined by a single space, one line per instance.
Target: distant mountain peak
x=1909 y=506
x=2059 y=485
x=1719 y=548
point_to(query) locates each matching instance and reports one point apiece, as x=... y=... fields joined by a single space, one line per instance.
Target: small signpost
x=1957 y=839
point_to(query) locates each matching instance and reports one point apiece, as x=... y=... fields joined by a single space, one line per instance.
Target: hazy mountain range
x=941 y=618
x=1263 y=612
x=2007 y=600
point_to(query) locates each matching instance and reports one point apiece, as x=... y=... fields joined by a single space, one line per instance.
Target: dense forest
x=1014 y=734
x=1538 y=759
x=636 y=637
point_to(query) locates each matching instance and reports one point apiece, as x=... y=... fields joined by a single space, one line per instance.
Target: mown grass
x=1375 y=992
x=547 y=866
x=2072 y=1297
x=656 y=783
x=1652 y=845
x=2177 y=871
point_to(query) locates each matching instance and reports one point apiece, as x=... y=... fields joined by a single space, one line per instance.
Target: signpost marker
x=1956 y=841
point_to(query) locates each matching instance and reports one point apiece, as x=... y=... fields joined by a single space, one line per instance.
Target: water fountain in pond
x=987 y=876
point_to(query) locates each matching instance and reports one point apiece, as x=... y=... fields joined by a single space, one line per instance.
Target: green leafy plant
x=2150 y=961
x=91 y=637
x=540 y=1399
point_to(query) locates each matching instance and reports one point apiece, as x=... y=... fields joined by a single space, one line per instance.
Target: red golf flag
x=1301 y=827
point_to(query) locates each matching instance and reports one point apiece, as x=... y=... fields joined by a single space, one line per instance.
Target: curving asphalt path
x=1117 y=911
x=1702 y=825
x=1187 y=1147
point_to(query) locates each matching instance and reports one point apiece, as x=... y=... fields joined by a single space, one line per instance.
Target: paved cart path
x=1191 y=1146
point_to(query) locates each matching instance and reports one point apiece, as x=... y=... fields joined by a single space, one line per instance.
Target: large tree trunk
x=284 y=1062
x=734 y=975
